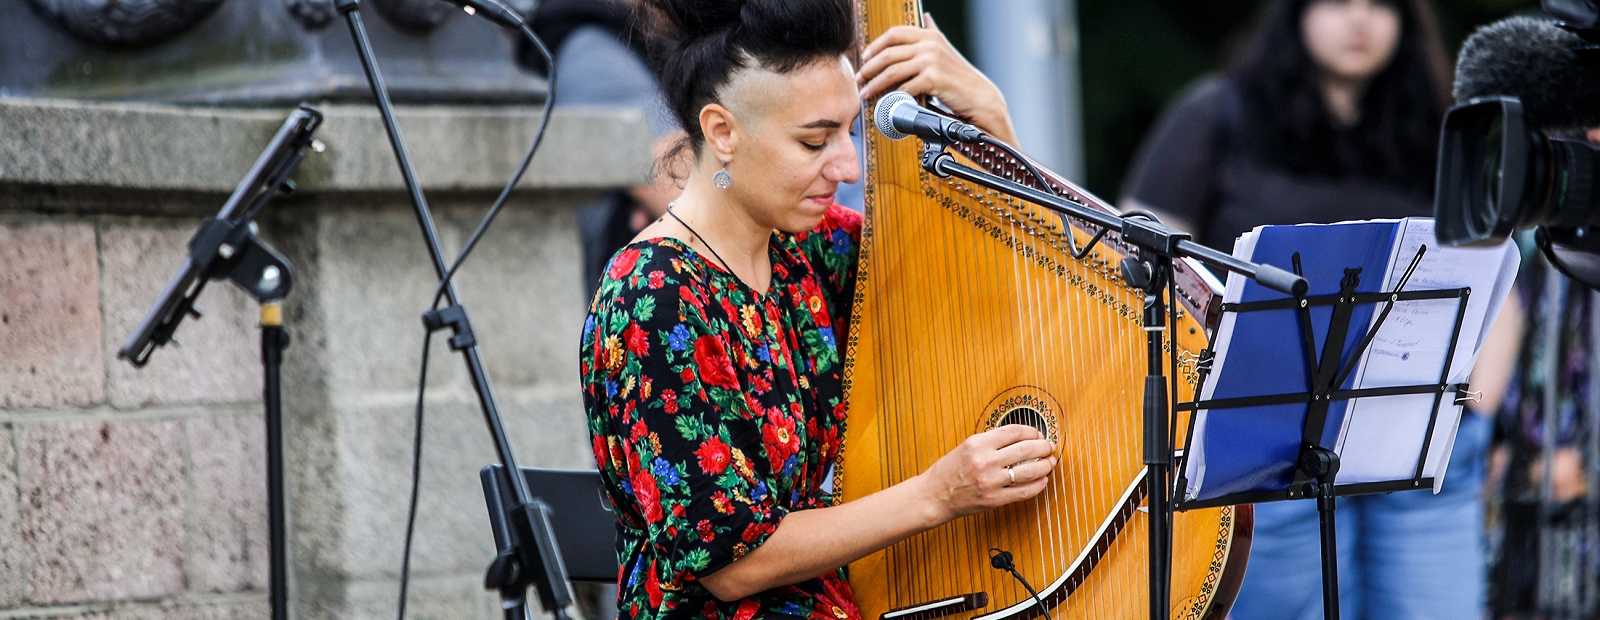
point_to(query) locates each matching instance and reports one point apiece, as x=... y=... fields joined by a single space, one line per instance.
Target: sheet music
x=1379 y=439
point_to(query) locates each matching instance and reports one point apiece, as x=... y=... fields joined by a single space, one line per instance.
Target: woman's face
x=790 y=147
x=1351 y=39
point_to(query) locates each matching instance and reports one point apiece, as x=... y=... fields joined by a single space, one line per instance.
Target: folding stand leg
x=1321 y=464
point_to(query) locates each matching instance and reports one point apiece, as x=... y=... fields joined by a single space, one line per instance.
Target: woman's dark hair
x=704 y=42
x=1286 y=120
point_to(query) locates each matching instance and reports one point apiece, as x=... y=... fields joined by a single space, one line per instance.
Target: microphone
x=1551 y=69
x=898 y=116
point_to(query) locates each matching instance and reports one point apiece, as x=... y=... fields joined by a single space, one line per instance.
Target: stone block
x=49 y=316
x=74 y=614
x=375 y=281
x=228 y=535
x=218 y=358
x=452 y=529
x=237 y=610
x=479 y=147
x=454 y=597
x=524 y=287
x=547 y=427
x=452 y=532
x=13 y=554
x=159 y=147
x=102 y=510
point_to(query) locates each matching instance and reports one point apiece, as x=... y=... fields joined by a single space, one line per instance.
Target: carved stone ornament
x=416 y=16
x=126 y=23
x=313 y=14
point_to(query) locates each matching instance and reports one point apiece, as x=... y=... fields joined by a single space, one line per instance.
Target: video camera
x=1514 y=153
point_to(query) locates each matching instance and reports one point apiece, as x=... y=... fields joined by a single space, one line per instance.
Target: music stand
x=1316 y=468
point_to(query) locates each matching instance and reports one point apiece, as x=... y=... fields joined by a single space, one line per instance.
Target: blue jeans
x=1403 y=556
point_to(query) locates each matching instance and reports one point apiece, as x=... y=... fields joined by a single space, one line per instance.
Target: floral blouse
x=715 y=411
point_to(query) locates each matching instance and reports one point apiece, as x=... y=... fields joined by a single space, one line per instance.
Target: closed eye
x=814 y=147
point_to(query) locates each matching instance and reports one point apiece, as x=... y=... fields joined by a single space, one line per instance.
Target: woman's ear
x=721 y=129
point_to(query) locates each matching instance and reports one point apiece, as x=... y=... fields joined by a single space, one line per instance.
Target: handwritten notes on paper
x=1380 y=436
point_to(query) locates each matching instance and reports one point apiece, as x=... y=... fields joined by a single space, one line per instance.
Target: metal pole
x=274 y=339
x=1157 y=438
x=1029 y=48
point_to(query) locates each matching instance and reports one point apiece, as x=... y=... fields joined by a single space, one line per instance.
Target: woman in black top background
x=1330 y=111
x=1327 y=113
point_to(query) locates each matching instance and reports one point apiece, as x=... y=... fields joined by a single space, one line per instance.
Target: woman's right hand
x=972 y=478
x=921 y=61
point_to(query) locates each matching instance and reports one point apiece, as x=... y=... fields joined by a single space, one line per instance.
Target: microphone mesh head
x=1536 y=61
x=882 y=115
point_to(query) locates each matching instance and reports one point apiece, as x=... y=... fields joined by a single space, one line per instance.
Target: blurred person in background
x=1548 y=414
x=601 y=54
x=1331 y=111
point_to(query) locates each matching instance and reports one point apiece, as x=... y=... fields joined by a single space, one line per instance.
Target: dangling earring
x=722 y=179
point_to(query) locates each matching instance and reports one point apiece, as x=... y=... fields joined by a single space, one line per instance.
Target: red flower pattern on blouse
x=712 y=359
x=714 y=456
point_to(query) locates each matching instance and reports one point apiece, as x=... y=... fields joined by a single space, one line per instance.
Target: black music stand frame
x=1151 y=271
x=1316 y=467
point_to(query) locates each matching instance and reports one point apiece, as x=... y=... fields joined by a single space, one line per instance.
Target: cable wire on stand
x=466 y=250
x=533 y=560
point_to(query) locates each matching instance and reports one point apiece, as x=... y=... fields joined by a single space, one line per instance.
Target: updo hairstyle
x=704 y=42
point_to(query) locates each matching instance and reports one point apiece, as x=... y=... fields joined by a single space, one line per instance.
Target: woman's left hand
x=921 y=61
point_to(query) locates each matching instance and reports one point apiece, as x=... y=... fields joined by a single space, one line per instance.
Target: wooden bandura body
x=970 y=312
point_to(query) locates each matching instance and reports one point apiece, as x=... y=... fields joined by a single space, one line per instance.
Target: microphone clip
x=934 y=156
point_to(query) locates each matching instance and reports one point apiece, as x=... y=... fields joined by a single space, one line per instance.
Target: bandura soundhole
x=1025 y=405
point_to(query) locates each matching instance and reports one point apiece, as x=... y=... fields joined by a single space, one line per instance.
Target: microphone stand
x=532 y=558
x=1150 y=271
x=227 y=247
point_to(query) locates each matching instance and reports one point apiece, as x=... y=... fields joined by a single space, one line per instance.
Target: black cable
x=1044 y=183
x=444 y=282
x=1001 y=559
x=416 y=478
x=500 y=203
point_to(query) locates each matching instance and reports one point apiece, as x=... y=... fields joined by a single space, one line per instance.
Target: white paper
x=1195 y=463
x=1380 y=436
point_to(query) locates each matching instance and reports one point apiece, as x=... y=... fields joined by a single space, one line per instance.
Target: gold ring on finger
x=1011 y=475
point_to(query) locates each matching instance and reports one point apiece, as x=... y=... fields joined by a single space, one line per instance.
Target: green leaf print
x=644 y=308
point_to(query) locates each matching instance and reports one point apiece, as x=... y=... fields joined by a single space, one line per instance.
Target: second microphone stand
x=534 y=560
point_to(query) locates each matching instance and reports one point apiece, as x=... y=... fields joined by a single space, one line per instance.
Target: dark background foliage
x=1138 y=54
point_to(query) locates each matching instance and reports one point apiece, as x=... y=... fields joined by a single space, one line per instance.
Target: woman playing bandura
x=711 y=358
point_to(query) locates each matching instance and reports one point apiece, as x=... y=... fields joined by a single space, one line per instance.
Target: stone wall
x=140 y=493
